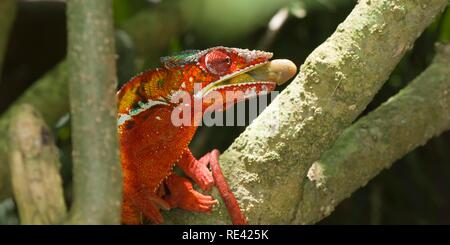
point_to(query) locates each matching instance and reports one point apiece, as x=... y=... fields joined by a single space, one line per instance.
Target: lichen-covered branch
x=93 y=103
x=374 y=142
x=268 y=163
x=7 y=16
x=34 y=164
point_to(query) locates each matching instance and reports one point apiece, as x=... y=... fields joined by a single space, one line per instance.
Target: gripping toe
x=183 y=195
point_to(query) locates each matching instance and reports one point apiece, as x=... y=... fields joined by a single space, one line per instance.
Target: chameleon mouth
x=254 y=80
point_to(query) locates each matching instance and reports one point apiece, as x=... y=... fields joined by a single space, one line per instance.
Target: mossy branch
x=93 y=104
x=7 y=17
x=34 y=164
x=267 y=165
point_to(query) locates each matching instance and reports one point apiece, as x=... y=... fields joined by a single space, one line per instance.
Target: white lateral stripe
x=123 y=118
x=142 y=107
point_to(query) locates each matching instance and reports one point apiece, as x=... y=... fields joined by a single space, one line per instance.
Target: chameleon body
x=151 y=144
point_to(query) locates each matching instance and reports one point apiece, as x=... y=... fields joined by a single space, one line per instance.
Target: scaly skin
x=151 y=144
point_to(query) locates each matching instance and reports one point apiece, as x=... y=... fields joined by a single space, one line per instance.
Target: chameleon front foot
x=183 y=195
x=197 y=169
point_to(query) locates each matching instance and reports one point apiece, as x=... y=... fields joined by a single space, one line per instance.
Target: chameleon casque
x=151 y=145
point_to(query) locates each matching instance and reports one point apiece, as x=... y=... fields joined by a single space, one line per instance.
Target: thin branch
x=268 y=163
x=34 y=161
x=417 y=113
x=92 y=90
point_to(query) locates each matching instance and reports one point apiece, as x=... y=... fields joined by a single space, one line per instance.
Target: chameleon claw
x=197 y=169
x=183 y=195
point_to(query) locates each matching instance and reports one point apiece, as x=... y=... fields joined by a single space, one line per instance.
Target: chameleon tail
x=237 y=217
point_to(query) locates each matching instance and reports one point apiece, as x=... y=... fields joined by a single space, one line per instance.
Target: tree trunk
x=93 y=104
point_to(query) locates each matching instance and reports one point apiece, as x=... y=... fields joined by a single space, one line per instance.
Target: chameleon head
x=225 y=76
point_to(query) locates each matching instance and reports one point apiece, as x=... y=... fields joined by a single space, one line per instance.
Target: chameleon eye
x=217 y=62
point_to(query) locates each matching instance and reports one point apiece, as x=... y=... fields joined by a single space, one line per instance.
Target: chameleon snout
x=278 y=71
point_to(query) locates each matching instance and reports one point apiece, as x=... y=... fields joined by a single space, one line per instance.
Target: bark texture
x=407 y=120
x=34 y=164
x=93 y=106
x=49 y=96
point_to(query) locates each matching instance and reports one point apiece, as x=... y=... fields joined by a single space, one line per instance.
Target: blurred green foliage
x=123 y=10
x=414 y=191
x=444 y=33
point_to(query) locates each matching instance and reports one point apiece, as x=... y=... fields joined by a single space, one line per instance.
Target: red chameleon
x=151 y=144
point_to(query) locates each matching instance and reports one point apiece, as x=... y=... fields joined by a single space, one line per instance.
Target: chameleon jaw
x=223 y=80
x=269 y=73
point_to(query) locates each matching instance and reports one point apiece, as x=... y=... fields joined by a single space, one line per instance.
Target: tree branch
x=92 y=90
x=49 y=96
x=7 y=17
x=34 y=161
x=417 y=113
x=268 y=163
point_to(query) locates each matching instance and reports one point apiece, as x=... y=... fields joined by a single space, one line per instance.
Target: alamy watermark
x=217 y=109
